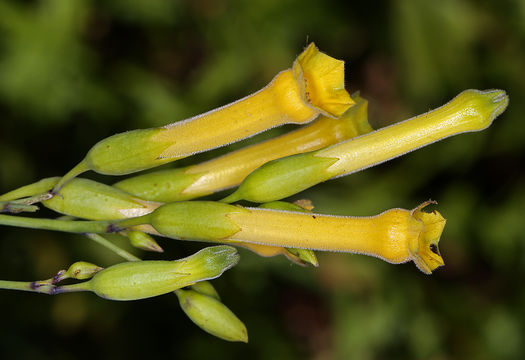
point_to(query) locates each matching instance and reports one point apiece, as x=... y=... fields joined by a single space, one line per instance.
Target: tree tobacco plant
x=337 y=142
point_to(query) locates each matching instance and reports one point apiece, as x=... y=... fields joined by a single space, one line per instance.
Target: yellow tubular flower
x=396 y=236
x=472 y=110
x=230 y=169
x=315 y=85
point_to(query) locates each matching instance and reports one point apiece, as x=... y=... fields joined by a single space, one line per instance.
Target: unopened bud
x=82 y=270
x=143 y=279
x=212 y=316
x=206 y=288
x=143 y=241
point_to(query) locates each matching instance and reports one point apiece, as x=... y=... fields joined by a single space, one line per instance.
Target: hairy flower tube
x=472 y=110
x=314 y=85
x=230 y=169
x=396 y=235
x=307 y=256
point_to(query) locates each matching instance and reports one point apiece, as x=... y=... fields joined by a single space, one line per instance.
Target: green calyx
x=127 y=152
x=284 y=177
x=91 y=200
x=164 y=185
x=144 y=279
x=195 y=220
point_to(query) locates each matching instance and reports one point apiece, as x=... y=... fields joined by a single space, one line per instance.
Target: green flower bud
x=212 y=316
x=206 y=288
x=144 y=279
x=92 y=200
x=281 y=178
x=143 y=241
x=472 y=110
x=164 y=185
x=82 y=270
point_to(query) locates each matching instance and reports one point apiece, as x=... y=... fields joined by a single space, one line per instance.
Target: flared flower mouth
x=321 y=81
x=424 y=250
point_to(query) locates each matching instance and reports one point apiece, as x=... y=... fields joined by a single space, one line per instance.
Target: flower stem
x=73 y=226
x=42 y=287
x=26 y=204
x=11 y=207
x=39 y=187
x=109 y=245
x=80 y=168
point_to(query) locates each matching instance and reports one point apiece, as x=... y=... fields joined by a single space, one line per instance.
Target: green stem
x=27 y=286
x=26 y=204
x=77 y=170
x=33 y=199
x=43 y=287
x=73 y=226
x=40 y=187
x=108 y=244
x=11 y=207
x=83 y=286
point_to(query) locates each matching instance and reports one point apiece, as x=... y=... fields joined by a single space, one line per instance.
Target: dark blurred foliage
x=74 y=72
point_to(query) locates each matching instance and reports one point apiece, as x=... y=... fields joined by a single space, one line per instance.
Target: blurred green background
x=74 y=72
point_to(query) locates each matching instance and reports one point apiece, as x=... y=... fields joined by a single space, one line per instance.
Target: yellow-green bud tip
x=210 y=260
x=481 y=107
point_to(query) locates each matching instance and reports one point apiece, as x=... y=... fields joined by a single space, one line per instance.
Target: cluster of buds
x=338 y=141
